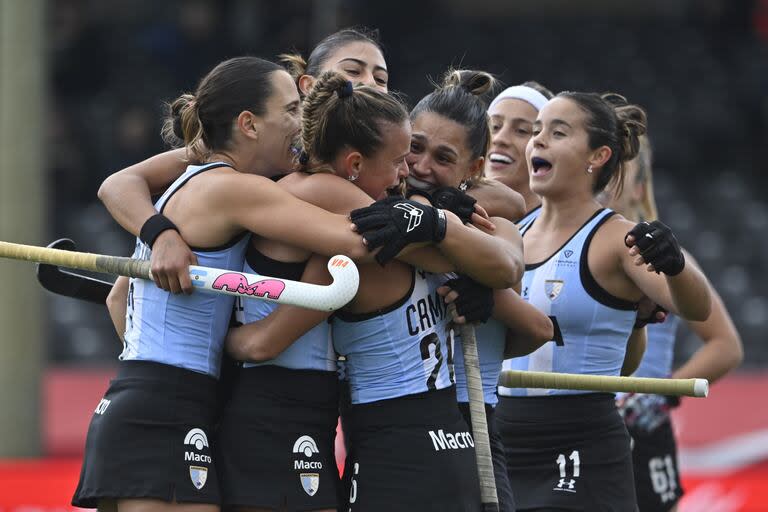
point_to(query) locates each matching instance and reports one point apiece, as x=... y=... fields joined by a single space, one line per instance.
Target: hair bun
x=474 y=82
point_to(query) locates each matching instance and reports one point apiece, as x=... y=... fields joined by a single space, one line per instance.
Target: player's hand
x=481 y=219
x=170 y=261
x=454 y=200
x=392 y=223
x=473 y=301
x=654 y=244
x=648 y=312
x=645 y=413
x=460 y=203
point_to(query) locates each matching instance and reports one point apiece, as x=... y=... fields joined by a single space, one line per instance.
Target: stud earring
x=589 y=169
x=463 y=186
x=353 y=177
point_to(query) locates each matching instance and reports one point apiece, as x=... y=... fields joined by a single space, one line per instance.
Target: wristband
x=441 y=226
x=152 y=228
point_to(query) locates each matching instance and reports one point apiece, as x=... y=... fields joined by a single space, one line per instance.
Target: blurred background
x=699 y=67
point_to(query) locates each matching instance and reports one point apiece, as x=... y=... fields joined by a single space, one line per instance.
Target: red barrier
x=44 y=485
x=739 y=491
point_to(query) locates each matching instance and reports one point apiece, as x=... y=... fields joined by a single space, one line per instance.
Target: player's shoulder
x=326 y=190
x=611 y=233
x=617 y=223
x=232 y=187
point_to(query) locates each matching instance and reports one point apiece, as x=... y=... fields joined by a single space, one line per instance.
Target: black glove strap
x=152 y=228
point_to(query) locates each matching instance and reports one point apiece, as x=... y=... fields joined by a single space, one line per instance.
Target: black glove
x=658 y=246
x=475 y=301
x=456 y=201
x=449 y=198
x=645 y=413
x=393 y=222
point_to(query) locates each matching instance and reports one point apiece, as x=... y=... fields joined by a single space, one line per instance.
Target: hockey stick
x=70 y=284
x=547 y=380
x=283 y=291
x=488 y=495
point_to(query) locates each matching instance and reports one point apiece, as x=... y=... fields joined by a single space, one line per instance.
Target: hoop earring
x=589 y=169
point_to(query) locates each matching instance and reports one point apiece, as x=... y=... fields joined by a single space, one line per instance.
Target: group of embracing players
x=533 y=214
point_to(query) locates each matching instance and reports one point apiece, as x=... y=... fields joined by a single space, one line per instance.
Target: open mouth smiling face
x=540 y=166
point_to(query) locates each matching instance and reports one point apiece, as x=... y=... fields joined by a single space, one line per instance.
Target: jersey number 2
x=426 y=341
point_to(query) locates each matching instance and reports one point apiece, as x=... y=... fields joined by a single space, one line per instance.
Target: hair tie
x=304 y=158
x=345 y=90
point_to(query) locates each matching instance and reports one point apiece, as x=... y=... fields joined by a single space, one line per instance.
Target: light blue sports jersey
x=657 y=360
x=313 y=351
x=181 y=330
x=491 y=339
x=591 y=326
x=402 y=350
x=528 y=218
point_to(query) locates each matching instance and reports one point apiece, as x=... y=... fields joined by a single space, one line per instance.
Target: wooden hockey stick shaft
x=488 y=495
x=551 y=380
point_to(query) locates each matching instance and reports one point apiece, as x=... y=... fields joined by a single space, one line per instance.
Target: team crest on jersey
x=198 y=475
x=553 y=287
x=310 y=482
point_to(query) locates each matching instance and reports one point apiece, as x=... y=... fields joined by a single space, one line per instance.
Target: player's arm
x=257 y=204
x=678 y=287
x=636 y=345
x=498 y=200
x=265 y=339
x=127 y=195
x=722 y=350
x=527 y=327
x=339 y=196
x=495 y=260
x=117 y=302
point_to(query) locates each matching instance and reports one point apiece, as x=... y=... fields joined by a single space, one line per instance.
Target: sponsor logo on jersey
x=451 y=441
x=304 y=465
x=553 y=287
x=199 y=441
x=197 y=438
x=305 y=445
x=198 y=475
x=196 y=457
x=564 y=259
x=310 y=482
